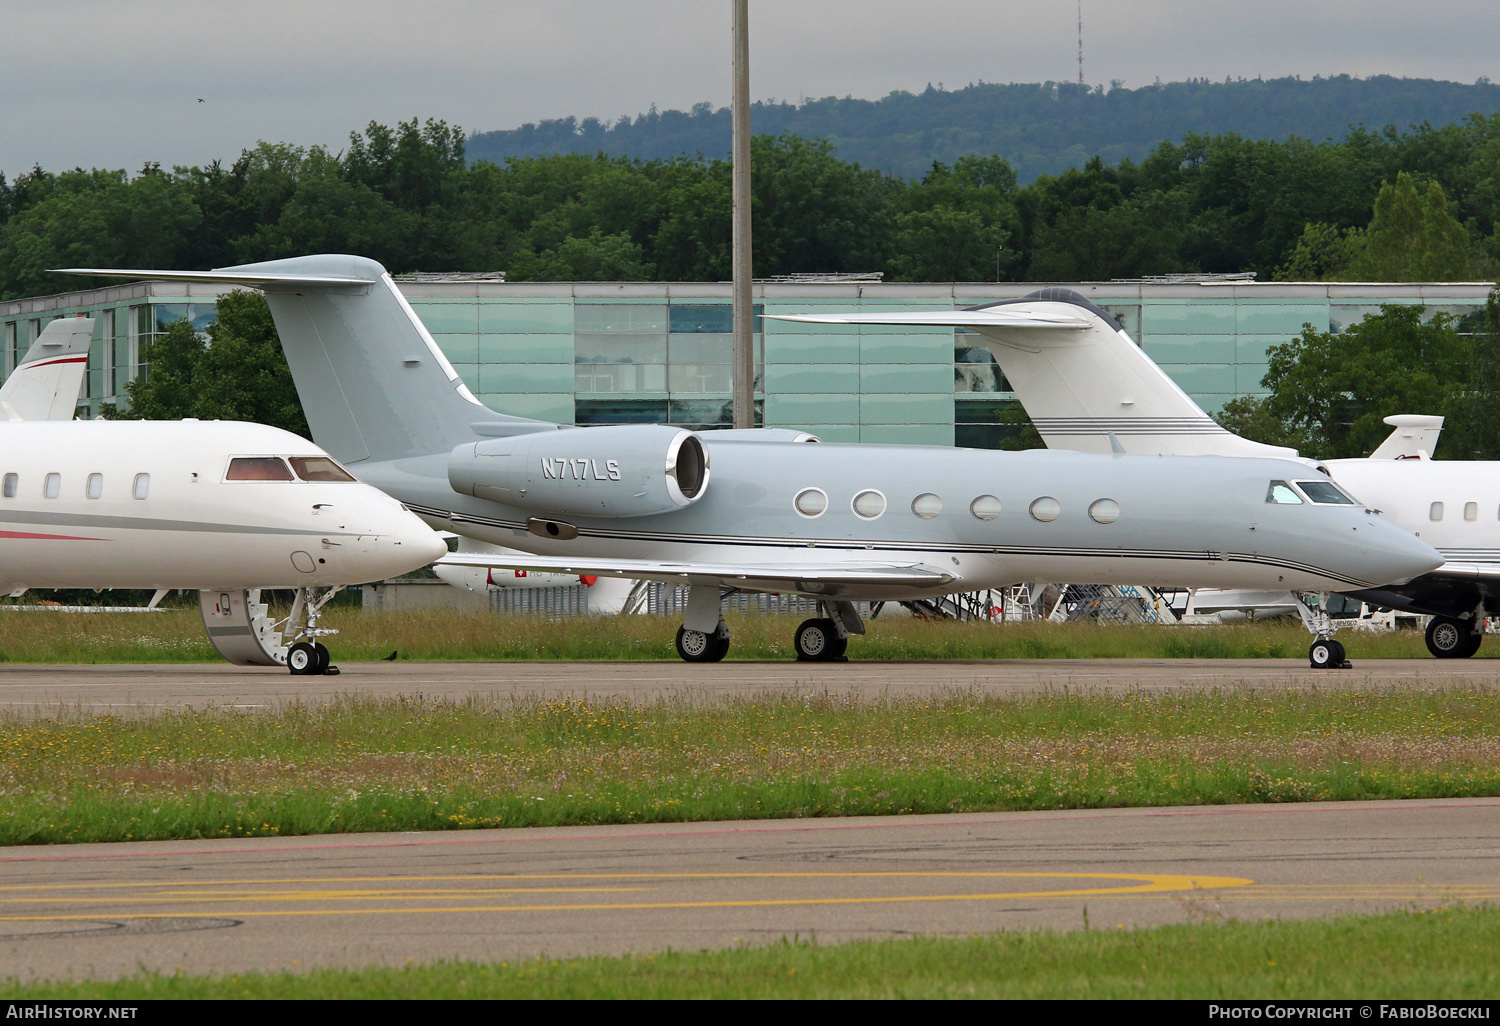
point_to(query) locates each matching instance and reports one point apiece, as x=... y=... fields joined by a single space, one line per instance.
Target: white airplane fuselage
x=146 y=504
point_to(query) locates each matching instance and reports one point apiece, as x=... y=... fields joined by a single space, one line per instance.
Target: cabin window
x=1471 y=511
x=1104 y=511
x=868 y=505
x=319 y=468
x=1435 y=511
x=95 y=486
x=811 y=502
x=1046 y=509
x=1281 y=492
x=1325 y=493
x=52 y=488
x=12 y=483
x=927 y=505
x=258 y=468
x=141 y=486
x=986 y=507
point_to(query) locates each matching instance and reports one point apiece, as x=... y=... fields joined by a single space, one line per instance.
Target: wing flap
x=783 y=577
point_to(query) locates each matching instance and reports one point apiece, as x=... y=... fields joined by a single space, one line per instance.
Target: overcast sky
x=115 y=83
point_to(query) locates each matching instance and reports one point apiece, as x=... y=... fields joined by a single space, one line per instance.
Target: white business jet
x=47 y=382
x=219 y=507
x=1088 y=387
x=767 y=510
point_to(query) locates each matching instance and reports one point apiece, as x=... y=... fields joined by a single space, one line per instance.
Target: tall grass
x=362 y=765
x=177 y=636
x=1444 y=953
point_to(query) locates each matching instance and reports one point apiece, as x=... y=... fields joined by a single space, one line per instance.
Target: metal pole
x=744 y=339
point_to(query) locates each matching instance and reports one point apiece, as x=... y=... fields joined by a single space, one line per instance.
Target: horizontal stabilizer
x=805 y=577
x=225 y=277
x=975 y=319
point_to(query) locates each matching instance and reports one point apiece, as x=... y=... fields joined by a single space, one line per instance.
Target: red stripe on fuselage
x=45 y=537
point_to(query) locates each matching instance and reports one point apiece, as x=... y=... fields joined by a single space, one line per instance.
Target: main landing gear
x=1451 y=638
x=241 y=628
x=704 y=637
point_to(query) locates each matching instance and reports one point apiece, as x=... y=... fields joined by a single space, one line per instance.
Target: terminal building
x=628 y=353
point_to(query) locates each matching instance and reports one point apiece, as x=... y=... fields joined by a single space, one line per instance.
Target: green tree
x=236 y=372
x=1471 y=430
x=1323 y=253
x=1412 y=238
x=1333 y=391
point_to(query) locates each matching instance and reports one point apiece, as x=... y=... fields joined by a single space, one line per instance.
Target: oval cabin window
x=868 y=504
x=1046 y=509
x=927 y=505
x=986 y=507
x=1435 y=511
x=1104 y=511
x=811 y=502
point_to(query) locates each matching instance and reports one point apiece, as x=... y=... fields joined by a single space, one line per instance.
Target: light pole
x=743 y=358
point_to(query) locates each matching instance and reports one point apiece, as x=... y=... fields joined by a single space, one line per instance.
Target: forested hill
x=1040 y=129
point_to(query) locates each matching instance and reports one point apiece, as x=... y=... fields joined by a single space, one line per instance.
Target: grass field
x=364 y=765
x=177 y=636
x=1448 y=954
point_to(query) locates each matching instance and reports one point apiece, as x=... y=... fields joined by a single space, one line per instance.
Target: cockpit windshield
x=258 y=468
x=319 y=468
x=1325 y=493
x=1281 y=492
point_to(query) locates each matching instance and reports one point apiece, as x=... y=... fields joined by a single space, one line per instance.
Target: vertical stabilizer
x=47 y=382
x=1084 y=383
x=1415 y=437
x=1082 y=388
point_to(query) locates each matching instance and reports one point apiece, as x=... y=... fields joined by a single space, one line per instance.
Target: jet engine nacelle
x=624 y=471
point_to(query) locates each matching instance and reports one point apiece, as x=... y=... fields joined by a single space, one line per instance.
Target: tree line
x=1039 y=127
x=408 y=197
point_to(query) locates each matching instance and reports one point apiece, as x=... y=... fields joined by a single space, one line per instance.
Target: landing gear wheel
x=325 y=660
x=1448 y=638
x=1326 y=654
x=818 y=641
x=720 y=649
x=302 y=659
x=698 y=647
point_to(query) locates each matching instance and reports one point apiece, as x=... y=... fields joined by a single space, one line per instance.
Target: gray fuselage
x=1191 y=521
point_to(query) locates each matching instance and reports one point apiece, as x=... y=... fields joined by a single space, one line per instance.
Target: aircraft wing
x=1453 y=589
x=754 y=576
x=955 y=318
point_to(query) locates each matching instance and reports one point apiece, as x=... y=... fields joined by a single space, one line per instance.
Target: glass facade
x=660 y=353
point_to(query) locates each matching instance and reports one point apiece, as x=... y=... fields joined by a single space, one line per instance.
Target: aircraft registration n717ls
x=1088 y=387
x=761 y=510
x=220 y=507
x=46 y=383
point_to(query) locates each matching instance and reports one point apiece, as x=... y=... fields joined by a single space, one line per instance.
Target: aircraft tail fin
x=48 y=380
x=1414 y=437
x=1081 y=378
x=373 y=383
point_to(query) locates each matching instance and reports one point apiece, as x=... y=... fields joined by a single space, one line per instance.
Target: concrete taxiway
x=127 y=689
x=354 y=900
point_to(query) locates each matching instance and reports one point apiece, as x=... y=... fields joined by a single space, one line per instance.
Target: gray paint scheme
x=380 y=396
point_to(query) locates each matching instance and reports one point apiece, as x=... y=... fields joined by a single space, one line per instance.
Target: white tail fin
x=1084 y=383
x=47 y=382
x=1415 y=437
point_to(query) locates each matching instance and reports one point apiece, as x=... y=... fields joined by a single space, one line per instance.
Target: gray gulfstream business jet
x=771 y=510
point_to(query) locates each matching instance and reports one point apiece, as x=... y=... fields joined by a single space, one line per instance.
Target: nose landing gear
x=241 y=628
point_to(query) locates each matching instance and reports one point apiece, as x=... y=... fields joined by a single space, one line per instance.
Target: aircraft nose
x=1395 y=555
